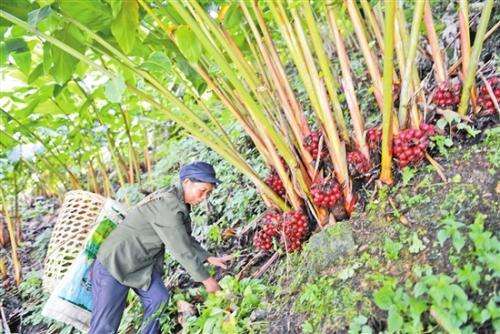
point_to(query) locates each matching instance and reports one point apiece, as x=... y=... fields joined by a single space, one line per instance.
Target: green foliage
x=228 y=311
x=63 y=64
x=492 y=141
x=392 y=248
x=189 y=45
x=124 y=26
x=327 y=299
x=94 y=14
x=447 y=299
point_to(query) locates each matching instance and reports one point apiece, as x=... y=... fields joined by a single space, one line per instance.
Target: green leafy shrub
x=229 y=310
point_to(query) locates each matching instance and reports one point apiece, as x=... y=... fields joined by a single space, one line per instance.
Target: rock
x=258 y=315
x=328 y=245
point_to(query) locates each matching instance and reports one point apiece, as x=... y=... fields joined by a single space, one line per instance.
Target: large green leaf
x=23 y=61
x=92 y=13
x=16 y=45
x=4 y=53
x=35 y=74
x=63 y=63
x=116 y=6
x=188 y=43
x=233 y=17
x=124 y=26
x=38 y=15
x=18 y=8
x=47 y=58
x=157 y=62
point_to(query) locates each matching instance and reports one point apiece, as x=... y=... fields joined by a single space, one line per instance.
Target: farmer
x=132 y=255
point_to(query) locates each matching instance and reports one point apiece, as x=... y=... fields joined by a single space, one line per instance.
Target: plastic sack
x=71 y=300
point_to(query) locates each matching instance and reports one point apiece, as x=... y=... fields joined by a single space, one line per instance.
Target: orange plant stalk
x=386 y=173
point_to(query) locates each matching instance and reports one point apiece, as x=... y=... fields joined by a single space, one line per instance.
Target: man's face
x=196 y=192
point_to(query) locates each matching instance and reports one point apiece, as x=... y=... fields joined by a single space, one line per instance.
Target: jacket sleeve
x=203 y=253
x=168 y=223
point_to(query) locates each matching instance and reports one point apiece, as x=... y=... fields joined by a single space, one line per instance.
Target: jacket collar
x=179 y=193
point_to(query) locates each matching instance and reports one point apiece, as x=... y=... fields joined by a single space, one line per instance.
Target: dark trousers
x=109 y=296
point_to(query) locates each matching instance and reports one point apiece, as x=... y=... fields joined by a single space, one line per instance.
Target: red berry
x=311 y=144
x=447 y=95
x=358 y=162
x=325 y=193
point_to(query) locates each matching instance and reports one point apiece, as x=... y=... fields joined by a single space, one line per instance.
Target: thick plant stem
x=92 y=179
x=463 y=20
x=371 y=61
x=386 y=172
x=404 y=97
x=367 y=10
x=290 y=105
x=107 y=188
x=330 y=81
x=439 y=66
x=348 y=84
x=474 y=58
x=234 y=160
x=16 y=264
x=299 y=50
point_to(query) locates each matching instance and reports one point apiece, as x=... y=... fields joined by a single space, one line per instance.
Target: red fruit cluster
x=373 y=138
x=409 y=145
x=263 y=239
x=429 y=129
x=358 y=162
x=295 y=229
x=311 y=144
x=271 y=226
x=485 y=100
x=447 y=95
x=326 y=193
x=290 y=228
x=274 y=181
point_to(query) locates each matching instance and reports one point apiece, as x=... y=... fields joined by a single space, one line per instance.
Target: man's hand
x=211 y=284
x=219 y=261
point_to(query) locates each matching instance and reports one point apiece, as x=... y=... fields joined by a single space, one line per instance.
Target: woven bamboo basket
x=77 y=216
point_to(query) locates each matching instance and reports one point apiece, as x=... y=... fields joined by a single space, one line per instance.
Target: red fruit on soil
x=447 y=95
x=373 y=138
x=409 y=145
x=326 y=193
x=358 y=162
x=311 y=144
x=484 y=99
